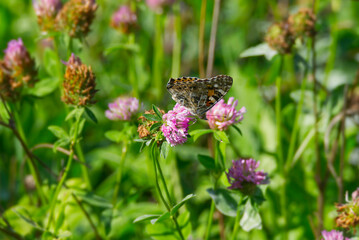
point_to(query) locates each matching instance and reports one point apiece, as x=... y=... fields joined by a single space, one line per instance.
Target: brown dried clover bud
x=280 y=38
x=146 y=124
x=76 y=17
x=303 y=23
x=6 y=90
x=79 y=86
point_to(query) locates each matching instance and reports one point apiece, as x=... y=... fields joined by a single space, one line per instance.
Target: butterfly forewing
x=199 y=95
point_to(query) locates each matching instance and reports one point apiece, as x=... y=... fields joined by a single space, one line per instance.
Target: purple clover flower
x=176 y=123
x=333 y=235
x=123 y=108
x=15 y=53
x=223 y=115
x=157 y=5
x=47 y=7
x=123 y=19
x=243 y=173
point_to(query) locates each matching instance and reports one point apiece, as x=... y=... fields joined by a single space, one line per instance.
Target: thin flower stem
x=158 y=56
x=210 y=220
x=119 y=173
x=236 y=223
x=11 y=233
x=131 y=67
x=213 y=206
x=20 y=135
x=154 y=158
x=177 y=42
x=295 y=129
x=171 y=203
x=156 y=164
x=278 y=114
x=63 y=178
x=212 y=42
x=84 y=167
x=201 y=39
x=93 y=226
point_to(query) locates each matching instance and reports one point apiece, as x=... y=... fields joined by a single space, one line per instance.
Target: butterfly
x=199 y=95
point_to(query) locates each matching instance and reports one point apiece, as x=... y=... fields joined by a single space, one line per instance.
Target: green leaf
x=162 y=218
x=262 y=49
x=28 y=219
x=166 y=230
x=221 y=136
x=4 y=116
x=145 y=217
x=225 y=200
x=157 y=111
x=155 y=126
x=152 y=117
x=91 y=115
x=51 y=62
x=75 y=113
x=93 y=199
x=123 y=46
x=115 y=136
x=165 y=148
x=197 y=133
x=251 y=218
x=180 y=204
x=237 y=129
x=207 y=161
x=58 y=132
x=44 y=87
x=61 y=143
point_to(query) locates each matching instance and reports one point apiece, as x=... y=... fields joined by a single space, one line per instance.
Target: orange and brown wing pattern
x=199 y=95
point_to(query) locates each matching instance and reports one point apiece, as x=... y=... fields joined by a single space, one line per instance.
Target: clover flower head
x=176 y=124
x=243 y=175
x=47 y=7
x=333 y=235
x=123 y=19
x=223 y=115
x=19 y=64
x=280 y=37
x=158 y=5
x=46 y=12
x=76 y=17
x=79 y=84
x=302 y=23
x=123 y=108
x=348 y=213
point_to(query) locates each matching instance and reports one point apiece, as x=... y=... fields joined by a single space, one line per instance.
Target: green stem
x=168 y=206
x=84 y=169
x=119 y=173
x=158 y=56
x=201 y=39
x=176 y=54
x=20 y=135
x=131 y=67
x=210 y=220
x=217 y=153
x=171 y=203
x=295 y=130
x=278 y=113
x=154 y=158
x=63 y=178
x=236 y=223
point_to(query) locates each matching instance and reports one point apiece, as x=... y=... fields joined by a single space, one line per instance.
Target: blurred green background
x=242 y=24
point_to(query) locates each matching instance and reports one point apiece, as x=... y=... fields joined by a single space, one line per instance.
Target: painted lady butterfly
x=199 y=95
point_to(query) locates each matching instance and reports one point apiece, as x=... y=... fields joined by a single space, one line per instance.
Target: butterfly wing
x=199 y=95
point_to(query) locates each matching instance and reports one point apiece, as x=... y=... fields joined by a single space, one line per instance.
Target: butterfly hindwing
x=199 y=95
